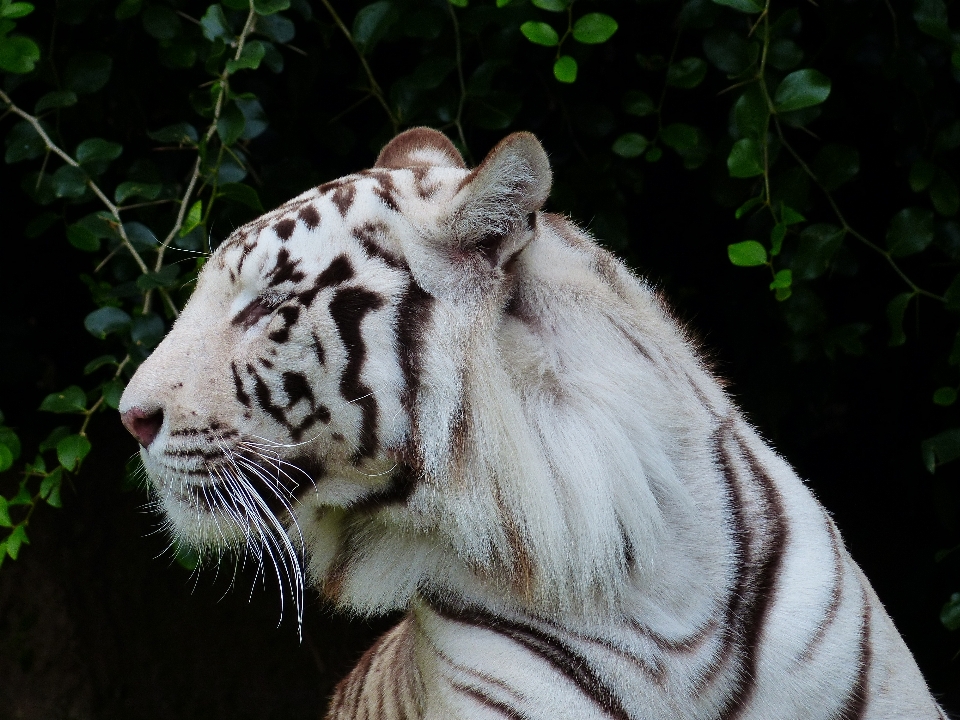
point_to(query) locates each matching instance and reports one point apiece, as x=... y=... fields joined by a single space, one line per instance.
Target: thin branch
x=458 y=121
x=374 y=85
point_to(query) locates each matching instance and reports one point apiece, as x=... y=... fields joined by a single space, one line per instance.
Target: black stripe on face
x=310 y=216
x=367 y=235
x=348 y=308
x=567 y=661
x=481 y=698
x=343 y=196
x=401 y=487
x=285 y=269
x=240 y=393
x=413 y=316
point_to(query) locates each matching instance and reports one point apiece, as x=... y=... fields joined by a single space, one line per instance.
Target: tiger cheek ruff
x=412 y=389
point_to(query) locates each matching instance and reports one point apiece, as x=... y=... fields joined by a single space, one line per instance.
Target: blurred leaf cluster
x=827 y=136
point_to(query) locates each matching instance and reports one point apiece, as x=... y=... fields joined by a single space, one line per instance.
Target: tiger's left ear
x=496 y=200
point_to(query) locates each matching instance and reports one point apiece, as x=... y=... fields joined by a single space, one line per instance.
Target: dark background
x=93 y=624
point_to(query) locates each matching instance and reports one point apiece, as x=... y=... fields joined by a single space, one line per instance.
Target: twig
x=458 y=121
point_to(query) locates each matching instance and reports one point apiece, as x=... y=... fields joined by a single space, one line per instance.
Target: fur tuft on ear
x=419 y=147
x=498 y=197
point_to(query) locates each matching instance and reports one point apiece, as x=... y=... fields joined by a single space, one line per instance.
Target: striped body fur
x=456 y=405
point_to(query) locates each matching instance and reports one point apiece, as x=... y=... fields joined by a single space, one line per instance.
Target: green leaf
x=801 y=89
x=240 y=193
x=922 y=173
x=654 y=154
x=50 y=488
x=82 y=238
x=751 y=114
x=540 y=33
x=565 y=69
x=944 y=194
x=147 y=330
x=69 y=182
x=277 y=28
x=940 y=449
x=6 y=458
x=180 y=133
x=895 y=312
x=98 y=363
x=127 y=9
x=215 y=25
x=836 y=165
x=165 y=277
x=269 y=7
x=250 y=57
x=782 y=280
x=193 y=219
x=746 y=6
x=15 y=540
x=372 y=23
x=630 y=145
x=686 y=73
x=230 y=125
x=594 y=28
x=105 y=321
x=254 y=118
x=551 y=5
x=638 y=103
x=784 y=54
x=950 y=613
x=5 y=520
x=948 y=138
x=50 y=443
x=112 y=391
x=818 y=244
x=131 y=188
x=730 y=52
x=748 y=253
x=910 y=232
x=747 y=207
x=97 y=149
x=87 y=72
x=745 y=159
x=945 y=396
x=18 y=54
x=161 y=22
x=688 y=141
x=931 y=18
x=73 y=399
x=777 y=235
x=72 y=450
x=789 y=216
x=9 y=438
x=459 y=3
x=24 y=143
x=55 y=99
x=15 y=10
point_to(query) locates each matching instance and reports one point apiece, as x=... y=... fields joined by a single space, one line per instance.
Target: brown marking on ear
x=310 y=217
x=424 y=190
x=419 y=147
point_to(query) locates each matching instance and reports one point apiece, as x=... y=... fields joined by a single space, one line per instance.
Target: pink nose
x=143 y=425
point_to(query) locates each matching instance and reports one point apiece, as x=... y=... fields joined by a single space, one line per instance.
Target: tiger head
x=387 y=373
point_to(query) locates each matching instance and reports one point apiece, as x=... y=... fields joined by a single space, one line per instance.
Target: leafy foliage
x=243 y=103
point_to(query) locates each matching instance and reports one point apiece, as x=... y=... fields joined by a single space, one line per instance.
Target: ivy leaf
x=50 y=443
x=165 y=277
x=729 y=52
x=83 y=238
x=72 y=450
x=50 y=488
x=835 y=165
x=895 y=312
x=24 y=143
x=240 y=193
x=687 y=73
x=910 y=232
x=5 y=520
x=540 y=33
x=215 y=25
x=922 y=173
x=161 y=22
x=745 y=6
x=372 y=23
x=15 y=539
x=73 y=399
x=9 y=438
x=784 y=54
x=55 y=99
x=230 y=125
x=818 y=244
x=950 y=612
x=751 y=114
x=97 y=149
x=180 y=133
x=250 y=57
x=931 y=18
x=147 y=330
x=112 y=391
x=745 y=159
x=594 y=28
x=944 y=194
x=98 y=363
x=277 y=28
x=105 y=321
x=15 y=10
x=748 y=253
x=638 y=103
x=630 y=145
x=945 y=396
x=129 y=189
x=87 y=72
x=6 y=459
x=269 y=7
x=193 y=219
x=565 y=69
x=18 y=54
x=69 y=182
x=127 y=9
x=801 y=89
x=551 y=5
x=940 y=449
x=782 y=280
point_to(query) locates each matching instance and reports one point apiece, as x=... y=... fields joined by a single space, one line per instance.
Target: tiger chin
x=413 y=389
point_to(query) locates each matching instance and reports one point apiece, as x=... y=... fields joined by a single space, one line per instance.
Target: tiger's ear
x=496 y=200
x=419 y=147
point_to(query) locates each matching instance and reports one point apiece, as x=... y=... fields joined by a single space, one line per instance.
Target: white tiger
x=462 y=407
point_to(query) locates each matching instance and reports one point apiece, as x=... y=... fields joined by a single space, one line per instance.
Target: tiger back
x=414 y=390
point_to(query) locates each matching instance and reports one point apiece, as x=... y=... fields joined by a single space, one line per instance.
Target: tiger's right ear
x=420 y=147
